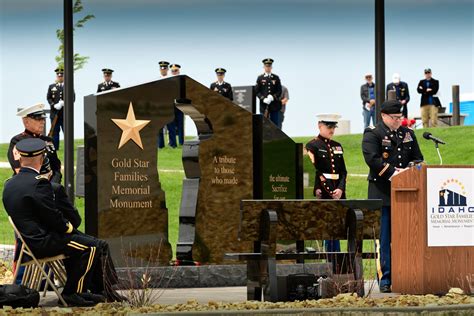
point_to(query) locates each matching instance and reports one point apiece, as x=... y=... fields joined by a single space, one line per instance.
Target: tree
x=79 y=61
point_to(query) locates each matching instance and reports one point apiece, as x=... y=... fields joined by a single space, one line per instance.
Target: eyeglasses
x=396 y=118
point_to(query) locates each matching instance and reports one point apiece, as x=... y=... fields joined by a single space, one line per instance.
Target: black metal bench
x=267 y=221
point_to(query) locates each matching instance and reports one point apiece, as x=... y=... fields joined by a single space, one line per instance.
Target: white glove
x=58 y=106
x=270 y=97
x=267 y=100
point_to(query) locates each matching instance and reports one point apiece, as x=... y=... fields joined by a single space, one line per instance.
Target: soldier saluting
x=388 y=148
x=108 y=84
x=34 y=118
x=327 y=157
x=220 y=86
x=268 y=90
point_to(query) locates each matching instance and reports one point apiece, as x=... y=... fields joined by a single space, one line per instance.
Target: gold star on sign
x=130 y=128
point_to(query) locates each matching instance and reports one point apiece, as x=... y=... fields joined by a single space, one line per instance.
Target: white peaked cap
x=328 y=117
x=37 y=109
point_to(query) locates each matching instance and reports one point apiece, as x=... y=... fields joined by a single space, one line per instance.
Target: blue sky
x=321 y=49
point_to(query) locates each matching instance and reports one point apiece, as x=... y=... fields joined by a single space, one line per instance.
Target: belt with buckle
x=331 y=176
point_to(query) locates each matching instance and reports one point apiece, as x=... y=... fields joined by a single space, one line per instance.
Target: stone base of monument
x=207 y=275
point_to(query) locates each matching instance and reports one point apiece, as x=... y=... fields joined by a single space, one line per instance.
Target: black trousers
x=104 y=275
x=83 y=256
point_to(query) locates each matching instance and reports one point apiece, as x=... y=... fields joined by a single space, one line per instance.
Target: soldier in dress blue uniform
x=29 y=200
x=268 y=90
x=164 y=68
x=178 y=115
x=33 y=118
x=327 y=157
x=104 y=276
x=388 y=149
x=220 y=86
x=401 y=92
x=55 y=97
x=171 y=127
x=108 y=84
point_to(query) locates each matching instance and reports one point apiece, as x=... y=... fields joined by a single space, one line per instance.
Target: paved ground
x=204 y=295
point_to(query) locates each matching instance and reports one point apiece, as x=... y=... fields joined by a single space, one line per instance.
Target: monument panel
x=236 y=156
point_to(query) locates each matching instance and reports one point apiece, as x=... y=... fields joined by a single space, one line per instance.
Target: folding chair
x=35 y=272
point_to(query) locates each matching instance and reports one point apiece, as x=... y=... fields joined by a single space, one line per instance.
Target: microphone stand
x=439 y=154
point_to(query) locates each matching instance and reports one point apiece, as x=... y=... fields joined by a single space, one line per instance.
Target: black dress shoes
x=385 y=289
x=76 y=300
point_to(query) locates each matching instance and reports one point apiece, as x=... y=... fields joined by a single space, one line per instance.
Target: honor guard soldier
x=388 y=149
x=29 y=200
x=175 y=69
x=55 y=97
x=178 y=115
x=220 y=86
x=34 y=119
x=327 y=157
x=108 y=84
x=268 y=90
x=164 y=67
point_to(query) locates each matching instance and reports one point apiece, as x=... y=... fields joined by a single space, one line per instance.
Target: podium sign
x=432 y=230
x=450 y=211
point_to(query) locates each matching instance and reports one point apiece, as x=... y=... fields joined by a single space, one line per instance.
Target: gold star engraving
x=130 y=128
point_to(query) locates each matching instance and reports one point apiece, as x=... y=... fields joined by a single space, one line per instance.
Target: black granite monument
x=237 y=155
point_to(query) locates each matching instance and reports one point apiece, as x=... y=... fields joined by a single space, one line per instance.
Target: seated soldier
x=104 y=275
x=29 y=200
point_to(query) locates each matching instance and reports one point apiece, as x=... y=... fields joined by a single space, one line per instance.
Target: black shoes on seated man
x=83 y=299
x=96 y=298
x=76 y=300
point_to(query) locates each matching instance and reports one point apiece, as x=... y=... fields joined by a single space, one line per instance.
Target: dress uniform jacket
x=224 y=89
x=54 y=95
x=269 y=84
x=104 y=86
x=50 y=152
x=28 y=198
x=384 y=150
x=331 y=172
x=63 y=204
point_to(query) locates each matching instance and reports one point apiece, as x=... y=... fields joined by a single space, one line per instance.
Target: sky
x=321 y=48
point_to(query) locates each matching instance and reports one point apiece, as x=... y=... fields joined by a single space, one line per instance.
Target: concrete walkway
x=204 y=295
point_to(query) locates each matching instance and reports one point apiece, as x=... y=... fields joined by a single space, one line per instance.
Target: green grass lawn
x=459 y=150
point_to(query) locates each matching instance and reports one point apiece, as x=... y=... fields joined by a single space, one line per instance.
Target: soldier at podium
x=388 y=148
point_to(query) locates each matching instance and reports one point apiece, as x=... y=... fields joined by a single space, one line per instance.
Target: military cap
x=427 y=70
x=34 y=111
x=31 y=147
x=107 y=71
x=46 y=166
x=267 y=61
x=163 y=64
x=220 y=71
x=175 y=66
x=391 y=107
x=329 y=119
x=59 y=71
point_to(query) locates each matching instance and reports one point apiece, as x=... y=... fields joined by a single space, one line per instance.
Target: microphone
x=428 y=135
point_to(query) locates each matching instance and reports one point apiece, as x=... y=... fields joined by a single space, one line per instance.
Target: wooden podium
x=417 y=268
